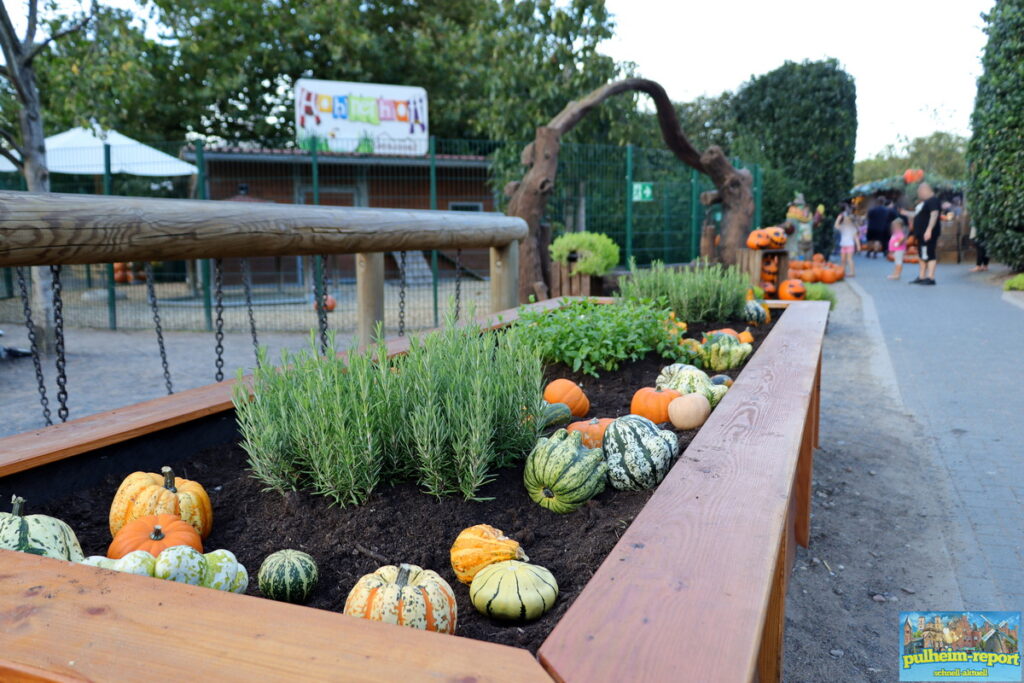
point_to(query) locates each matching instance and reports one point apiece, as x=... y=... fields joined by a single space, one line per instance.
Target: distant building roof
x=295 y=155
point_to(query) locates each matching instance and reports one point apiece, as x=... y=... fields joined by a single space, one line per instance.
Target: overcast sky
x=915 y=63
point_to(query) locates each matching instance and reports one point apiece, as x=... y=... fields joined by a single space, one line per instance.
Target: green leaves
x=460 y=403
x=996 y=150
x=591 y=337
x=706 y=293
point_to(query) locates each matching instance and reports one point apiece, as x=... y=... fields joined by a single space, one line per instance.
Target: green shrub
x=818 y=291
x=597 y=253
x=589 y=337
x=706 y=293
x=1015 y=283
x=994 y=151
x=458 y=405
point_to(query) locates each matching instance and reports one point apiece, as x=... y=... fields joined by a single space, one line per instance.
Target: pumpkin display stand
x=751 y=262
x=653 y=609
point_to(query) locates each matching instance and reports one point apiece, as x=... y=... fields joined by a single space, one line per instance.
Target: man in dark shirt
x=927 y=227
x=879 y=218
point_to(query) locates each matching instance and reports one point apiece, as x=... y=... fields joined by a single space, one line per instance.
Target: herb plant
x=706 y=293
x=596 y=252
x=460 y=404
x=590 y=337
x=817 y=291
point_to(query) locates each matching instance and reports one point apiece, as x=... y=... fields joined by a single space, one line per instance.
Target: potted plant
x=578 y=260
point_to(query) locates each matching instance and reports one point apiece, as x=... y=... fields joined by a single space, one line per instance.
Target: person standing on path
x=879 y=218
x=849 y=234
x=979 y=246
x=927 y=229
x=897 y=247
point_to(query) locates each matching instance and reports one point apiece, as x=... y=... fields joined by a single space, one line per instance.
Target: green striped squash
x=561 y=474
x=288 y=576
x=718 y=391
x=555 y=414
x=38 y=534
x=513 y=591
x=638 y=453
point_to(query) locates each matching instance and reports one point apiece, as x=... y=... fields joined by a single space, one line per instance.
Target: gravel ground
x=882 y=540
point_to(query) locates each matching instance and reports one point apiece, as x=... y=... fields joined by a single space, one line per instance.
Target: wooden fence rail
x=44 y=229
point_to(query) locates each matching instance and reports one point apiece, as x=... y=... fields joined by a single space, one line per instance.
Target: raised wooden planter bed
x=694 y=589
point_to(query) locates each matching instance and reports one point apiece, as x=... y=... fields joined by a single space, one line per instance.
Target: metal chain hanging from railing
x=58 y=344
x=458 y=283
x=151 y=296
x=320 y=292
x=218 y=301
x=401 y=295
x=247 y=287
x=33 y=344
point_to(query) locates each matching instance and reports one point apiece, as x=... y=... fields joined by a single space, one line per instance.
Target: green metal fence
x=644 y=199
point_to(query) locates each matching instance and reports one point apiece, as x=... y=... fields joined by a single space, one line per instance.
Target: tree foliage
x=996 y=149
x=943 y=154
x=803 y=119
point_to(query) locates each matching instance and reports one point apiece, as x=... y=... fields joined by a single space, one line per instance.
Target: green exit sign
x=643 y=192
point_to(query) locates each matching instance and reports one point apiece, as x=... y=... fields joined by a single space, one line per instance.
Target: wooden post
x=369 y=294
x=504 y=277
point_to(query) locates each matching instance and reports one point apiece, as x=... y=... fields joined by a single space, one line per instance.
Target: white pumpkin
x=689 y=411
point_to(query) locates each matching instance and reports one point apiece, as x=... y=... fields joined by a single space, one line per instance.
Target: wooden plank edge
x=66 y=621
x=812 y=310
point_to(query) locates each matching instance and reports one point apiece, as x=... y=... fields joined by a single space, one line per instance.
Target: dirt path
x=881 y=541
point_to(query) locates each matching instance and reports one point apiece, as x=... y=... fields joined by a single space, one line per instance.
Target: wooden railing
x=46 y=229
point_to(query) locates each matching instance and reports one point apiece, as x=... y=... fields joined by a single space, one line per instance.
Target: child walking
x=849 y=234
x=897 y=247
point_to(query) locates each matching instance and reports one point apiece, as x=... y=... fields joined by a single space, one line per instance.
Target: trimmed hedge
x=804 y=117
x=996 y=150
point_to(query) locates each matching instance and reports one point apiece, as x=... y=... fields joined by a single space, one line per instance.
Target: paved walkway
x=957 y=351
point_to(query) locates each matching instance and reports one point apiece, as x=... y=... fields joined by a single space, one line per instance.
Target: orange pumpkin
x=568 y=392
x=121 y=277
x=797 y=265
x=330 y=303
x=653 y=403
x=840 y=273
x=592 y=430
x=148 y=493
x=153 y=533
x=769 y=288
x=725 y=330
x=776 y=237
x=818 y=258
x=746 y=337
x=829 y=275
x=770 y=265
x=768 y=277
x=479 y=546
x=792 y=290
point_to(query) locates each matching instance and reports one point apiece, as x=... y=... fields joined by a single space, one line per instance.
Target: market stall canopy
x=80 y=151
x=897 y=183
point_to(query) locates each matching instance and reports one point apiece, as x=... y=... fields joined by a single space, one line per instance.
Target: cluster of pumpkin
x=817 y=270
x=767 y=238
x=158 y=523
x=769 y=273
x=632 y=452
x=503 y=585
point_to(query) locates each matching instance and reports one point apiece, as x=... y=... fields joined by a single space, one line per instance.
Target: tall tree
x=997 y=166
x=941 y=153
x=803 y=118
x=25 y=145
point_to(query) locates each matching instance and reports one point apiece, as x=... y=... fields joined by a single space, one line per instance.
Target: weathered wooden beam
x=69 y=228
x=369 y=295
x=504 y=277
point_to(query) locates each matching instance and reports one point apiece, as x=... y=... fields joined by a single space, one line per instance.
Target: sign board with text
x=643 y=192
x=363 y=118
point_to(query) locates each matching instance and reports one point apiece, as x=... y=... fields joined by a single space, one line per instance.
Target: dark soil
x=401 y=524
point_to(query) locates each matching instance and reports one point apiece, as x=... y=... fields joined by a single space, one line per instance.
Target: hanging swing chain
x=33 y=344
x=151 y=296
x=247 y=285
x=58 y=333
x=320 y=292
x=218 y=292
x=458 y=283
x=401 y=296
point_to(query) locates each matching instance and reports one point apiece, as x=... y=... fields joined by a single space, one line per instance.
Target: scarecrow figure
x=800 y=241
